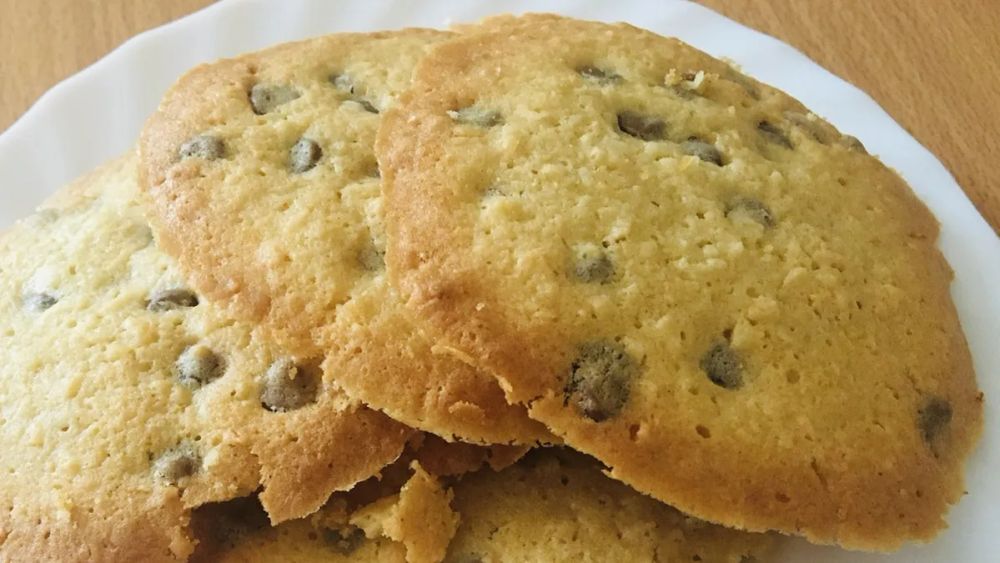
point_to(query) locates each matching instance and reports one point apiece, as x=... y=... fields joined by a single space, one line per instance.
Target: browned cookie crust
x=686 y=274
x=264 y=185
x=126 y=400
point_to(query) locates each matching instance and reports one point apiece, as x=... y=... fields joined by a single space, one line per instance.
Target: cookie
x=552 y=506
x=264 y=185
x=684 y=273
x=413 y=525
x=401 y=514
x=556 y=505
x=237 y=532
x=127 y=399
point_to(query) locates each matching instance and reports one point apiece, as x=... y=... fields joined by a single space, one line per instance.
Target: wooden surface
x=934 y=65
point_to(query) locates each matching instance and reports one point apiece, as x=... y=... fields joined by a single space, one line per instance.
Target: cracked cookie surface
x=551 y=506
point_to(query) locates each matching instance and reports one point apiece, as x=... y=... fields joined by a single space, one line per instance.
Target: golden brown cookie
x=555 y=505
x=552 y=506
x=403 y=513
x=264 y=185
x=126 y=400
x=686 y=274
x=238 y=532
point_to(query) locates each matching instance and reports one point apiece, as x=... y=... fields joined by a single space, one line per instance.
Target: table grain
x=934 y=65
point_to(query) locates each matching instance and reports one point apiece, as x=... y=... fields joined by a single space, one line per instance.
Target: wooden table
x=933 y=64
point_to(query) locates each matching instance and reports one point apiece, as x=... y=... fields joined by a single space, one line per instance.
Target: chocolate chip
x=934 y=417
x=747 y=83
x=853 y=143
x=705 y=151
x=600 y=379
x=346 y=84
x=344 y=541
x=304 y=155
x=45 y=216
x=287 y=387
x=773 y=134
x=594 y=266
x=599 y=75
x=642 y=127
x=811 y=126
x=208 y=147
x=176 y=464
x=198 y=365
x=751 y=208
x=366 y=105
x=170 y=299
x=371 y=259
x=493 y=191
x=264 y=98
x=723 y=366
x=473 y=115
x=39 y=301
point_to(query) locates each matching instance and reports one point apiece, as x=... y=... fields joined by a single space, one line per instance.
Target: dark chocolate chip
x=176 y=464
x=345 y=84
x=811 y=126
x=480 y=117
x=853 y=143
x=747 y=83
x=264 y=98
x=366 y=105
x=599 y=75
x=38 y=301
x=705 y=151
x=934 y=415
x=208 y=147
x=594 y=267
x=286 y=387
x=723 y=366
x=198 y=365
x=170 y=299
x=773 y=134
x=344 y=541
x=751 y=208
x=46 y=216
x=371 y=259
x=600 y=379
x=493 y=191
x=304 y=155
x=643 y=127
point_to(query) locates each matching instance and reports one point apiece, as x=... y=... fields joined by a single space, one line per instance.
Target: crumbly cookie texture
x=686 y=274
x=402 y=514
x=127 y=400
x=412 y=525
x=419 y=517
x=238 y=532
x=551 y=506
x=265 y=187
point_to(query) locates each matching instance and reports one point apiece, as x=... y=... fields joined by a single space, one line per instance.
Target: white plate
x=98 y=113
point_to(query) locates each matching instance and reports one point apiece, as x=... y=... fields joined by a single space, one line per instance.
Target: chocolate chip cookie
x=127 y=399
x=265 y=187
x=686 y=274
